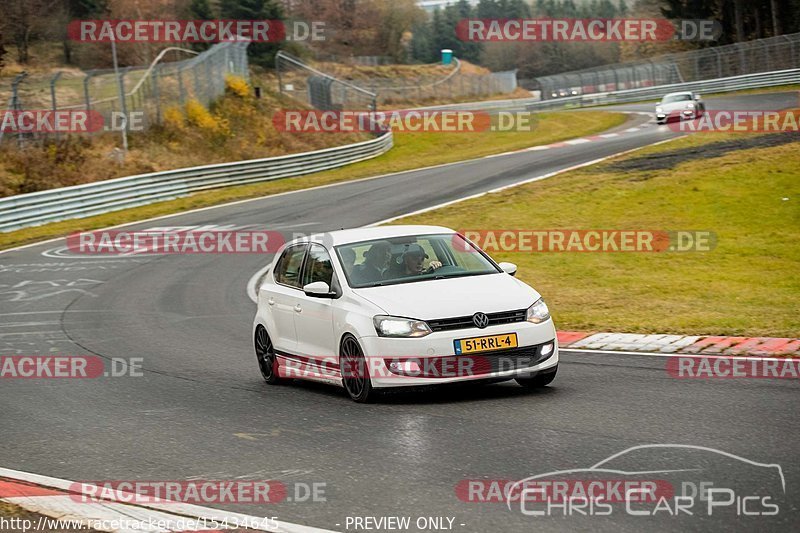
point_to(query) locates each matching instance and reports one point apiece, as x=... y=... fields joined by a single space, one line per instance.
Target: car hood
x=674 y=106
x=445 y=298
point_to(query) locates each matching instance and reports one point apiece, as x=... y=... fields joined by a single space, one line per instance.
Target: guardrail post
x=53 y=82
x=156 y=92
x=16 y=104
x=278 y=72
x=181 y=88
x=123 y=97
x=196 y=83
x=791 y=50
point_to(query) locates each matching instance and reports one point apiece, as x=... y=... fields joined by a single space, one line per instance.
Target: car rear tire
x=354 y=370
x=542 y=379
x=265 y=352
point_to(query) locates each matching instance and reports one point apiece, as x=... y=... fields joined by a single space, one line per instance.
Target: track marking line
x=518 y=183
x=252 y=289
x=251 y=283
x=245 y=200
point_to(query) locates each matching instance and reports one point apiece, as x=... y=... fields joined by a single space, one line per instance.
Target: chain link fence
x=324 y=91
x=456 y=85
x=318 y=89
x=148 y=91
x=752 y=57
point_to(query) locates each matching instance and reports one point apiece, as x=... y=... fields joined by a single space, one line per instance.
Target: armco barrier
x=79 y=201
x=720 y=85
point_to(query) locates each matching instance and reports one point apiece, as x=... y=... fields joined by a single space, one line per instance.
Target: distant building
x=431 y=5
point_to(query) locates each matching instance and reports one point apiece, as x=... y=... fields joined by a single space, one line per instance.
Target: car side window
x=287 y=271
x=318 y=266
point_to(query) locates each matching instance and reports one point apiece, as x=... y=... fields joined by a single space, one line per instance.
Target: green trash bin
x=447 y=56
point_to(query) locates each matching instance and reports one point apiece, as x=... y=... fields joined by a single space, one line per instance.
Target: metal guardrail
x=736 y=83
x=80 y=201
x=721 y=85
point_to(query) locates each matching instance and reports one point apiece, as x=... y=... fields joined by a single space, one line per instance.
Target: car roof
x=677 y=93
x=347 y=236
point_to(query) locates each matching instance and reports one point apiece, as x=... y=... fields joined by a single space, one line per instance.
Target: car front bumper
x=432 y=360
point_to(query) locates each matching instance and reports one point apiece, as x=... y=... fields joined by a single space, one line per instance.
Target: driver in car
x=411 y=263
x=375 y=261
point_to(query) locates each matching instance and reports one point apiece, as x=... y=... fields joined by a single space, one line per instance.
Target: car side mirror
x=318 y=289
x=508 y=268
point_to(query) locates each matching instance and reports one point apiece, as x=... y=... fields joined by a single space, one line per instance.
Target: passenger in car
x=375 y=262
x=348 y=256
x=411 y=263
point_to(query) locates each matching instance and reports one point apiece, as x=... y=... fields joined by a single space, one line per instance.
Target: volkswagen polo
x=375 y=308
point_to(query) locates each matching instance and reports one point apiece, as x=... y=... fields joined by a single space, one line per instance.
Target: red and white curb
x=679 y=344
x=58 y=499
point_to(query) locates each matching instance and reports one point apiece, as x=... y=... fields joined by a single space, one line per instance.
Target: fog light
x=547 y=348
x=404 y=367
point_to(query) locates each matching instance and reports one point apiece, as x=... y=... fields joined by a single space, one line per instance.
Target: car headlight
x=392 y=326
x=659 y=109
x=538 y=312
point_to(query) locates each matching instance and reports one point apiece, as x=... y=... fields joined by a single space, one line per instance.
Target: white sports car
x=397 y=306
x=684 y=105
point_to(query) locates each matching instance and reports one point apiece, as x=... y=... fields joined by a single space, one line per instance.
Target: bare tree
x=776 y=25
x=23 y=20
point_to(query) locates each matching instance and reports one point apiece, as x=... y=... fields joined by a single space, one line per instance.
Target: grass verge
x=411 y=151
x=747 y=285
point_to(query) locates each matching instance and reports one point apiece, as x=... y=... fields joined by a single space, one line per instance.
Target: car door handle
x=297 y=308
x=271 y=301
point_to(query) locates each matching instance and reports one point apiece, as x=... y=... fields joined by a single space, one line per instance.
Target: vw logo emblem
x=480 y=320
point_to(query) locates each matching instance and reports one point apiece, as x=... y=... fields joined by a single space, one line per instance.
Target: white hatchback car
x=397 y=306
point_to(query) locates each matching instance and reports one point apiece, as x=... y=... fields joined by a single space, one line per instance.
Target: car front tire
x=542 y=379
x=354 y=369
x=265 y=353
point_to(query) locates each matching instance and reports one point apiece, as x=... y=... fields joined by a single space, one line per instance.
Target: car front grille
x=464 y=322
x=478 y=364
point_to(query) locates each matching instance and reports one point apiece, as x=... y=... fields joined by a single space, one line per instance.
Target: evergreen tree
x=200 y=10
x=262 y=54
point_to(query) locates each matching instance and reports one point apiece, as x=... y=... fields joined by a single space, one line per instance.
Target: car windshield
x=409 y=259
x=676 y=98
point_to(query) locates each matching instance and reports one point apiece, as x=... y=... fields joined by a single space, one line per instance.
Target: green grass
x=412 y=150
x=747 y=285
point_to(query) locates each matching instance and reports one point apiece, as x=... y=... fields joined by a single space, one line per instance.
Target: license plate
x=485 y=344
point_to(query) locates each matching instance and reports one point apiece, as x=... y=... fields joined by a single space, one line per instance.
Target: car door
x=284 y=298
x=314 y=320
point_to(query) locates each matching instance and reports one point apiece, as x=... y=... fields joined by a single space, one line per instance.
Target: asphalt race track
x=202 y=411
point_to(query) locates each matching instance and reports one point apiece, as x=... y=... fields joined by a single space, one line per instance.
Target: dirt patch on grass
x=670 y=159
